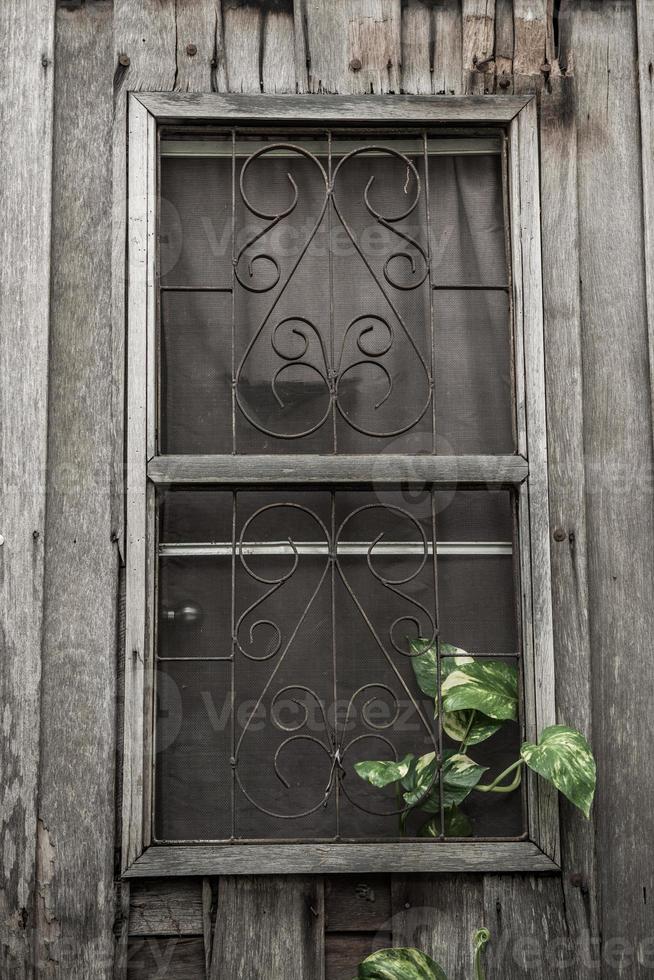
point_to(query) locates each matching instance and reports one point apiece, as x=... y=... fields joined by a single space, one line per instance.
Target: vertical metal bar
x=336 y=736
x=441 y=806
x=233 y=280
x=232 y=671
x=432 y=335
x=332 y=394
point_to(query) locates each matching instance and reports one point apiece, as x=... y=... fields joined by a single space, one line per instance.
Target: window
x=336 y=458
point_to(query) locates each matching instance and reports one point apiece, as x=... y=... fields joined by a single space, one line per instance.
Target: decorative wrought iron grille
x=328 y=295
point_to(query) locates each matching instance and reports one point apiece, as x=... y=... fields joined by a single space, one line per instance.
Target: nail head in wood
x=559 y=534
x=191 y=50
x=355 y=64
x=123 y=59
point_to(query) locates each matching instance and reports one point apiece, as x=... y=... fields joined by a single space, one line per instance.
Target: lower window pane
x=296 y=644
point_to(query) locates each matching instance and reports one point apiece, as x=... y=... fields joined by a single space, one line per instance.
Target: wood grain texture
x=269 y=928
x=645 y=40
x=172 y=957
x=345 y=950
x=197 y=32
x=353 y=46
x=617 y=435
x=530 y=25
x=408 y=110
x=565 y=421
x=357 y=903
x=272 y=859
x=163 y=908
x=439 y=915
x=278 y=70
x=478 y=45
x=449 y=470
x=27 y=50
x=243 y=25
x=75 y=908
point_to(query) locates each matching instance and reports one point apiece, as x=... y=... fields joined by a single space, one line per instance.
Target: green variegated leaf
x=460 y=776
x=456 y=824
x=423 y=660
x=457 y=723
x=399 y=964
x=489 y=686
x=563 y=757
x=420 y=779
x=384 y=773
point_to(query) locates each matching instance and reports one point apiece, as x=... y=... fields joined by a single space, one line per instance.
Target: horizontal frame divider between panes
x=444 y=471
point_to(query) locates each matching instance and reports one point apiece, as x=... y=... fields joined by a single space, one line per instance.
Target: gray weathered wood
x=27 y=51
x=278 y=73
x=272 y=859
x=75 y=909
x=478 y=45
x=163 y=908
x=439 y=916
x=617 y=432
x=532 y=438
x=197 y=42
x=345 y=950
x=530 y=43
x=563 y=359
x=353 y=46
x=242 y=39
x=357 y=903
x=269 y=928
x=645 y=37
x=450 y=470
x=172 y=957
x=186 y=106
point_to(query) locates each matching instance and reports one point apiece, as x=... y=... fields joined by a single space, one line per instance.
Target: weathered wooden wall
x=62 y=356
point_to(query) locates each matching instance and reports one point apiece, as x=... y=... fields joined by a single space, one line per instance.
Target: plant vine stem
x=494 y=787
x=464 y=743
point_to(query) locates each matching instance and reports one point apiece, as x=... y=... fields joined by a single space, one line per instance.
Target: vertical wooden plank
x=530 y=44
x=504 y=46
x=278 y=58
x=269 y=927
x=197 y=45
x=526 y=916
x=439 y=915
x=243 y=24
x=528 y=306
x=27 y=40
x=354 y=46
x=478 y=46
x=618 y=449
x=448 y=48
x=75 y=857
x=563 y=362
x=417 y=47
x=645 y=61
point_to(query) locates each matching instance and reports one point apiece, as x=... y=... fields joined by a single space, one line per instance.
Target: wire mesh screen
x=284 y=656
x=333 y=295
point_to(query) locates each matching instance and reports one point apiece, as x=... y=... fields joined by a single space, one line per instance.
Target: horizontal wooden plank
x=357 y=903
x=173 y=957
x=266 y=859
x=344 y=951
x=417 y=109
x=166 y=908
x=447 y=470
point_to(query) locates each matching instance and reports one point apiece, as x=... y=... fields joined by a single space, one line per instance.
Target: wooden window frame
x=526 y=471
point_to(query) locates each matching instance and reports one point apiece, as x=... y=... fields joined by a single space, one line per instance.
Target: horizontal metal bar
x=243 y=148
x=472 y=287
x=196 y=289
x=382 y=548
x=408 y=110
x=445 y=471
x=401 y=857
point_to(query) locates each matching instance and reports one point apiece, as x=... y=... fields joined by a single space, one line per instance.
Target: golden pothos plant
x=411 y=964
x=477 y=698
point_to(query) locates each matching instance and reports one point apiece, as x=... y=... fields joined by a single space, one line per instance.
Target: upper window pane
x=325 y=294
